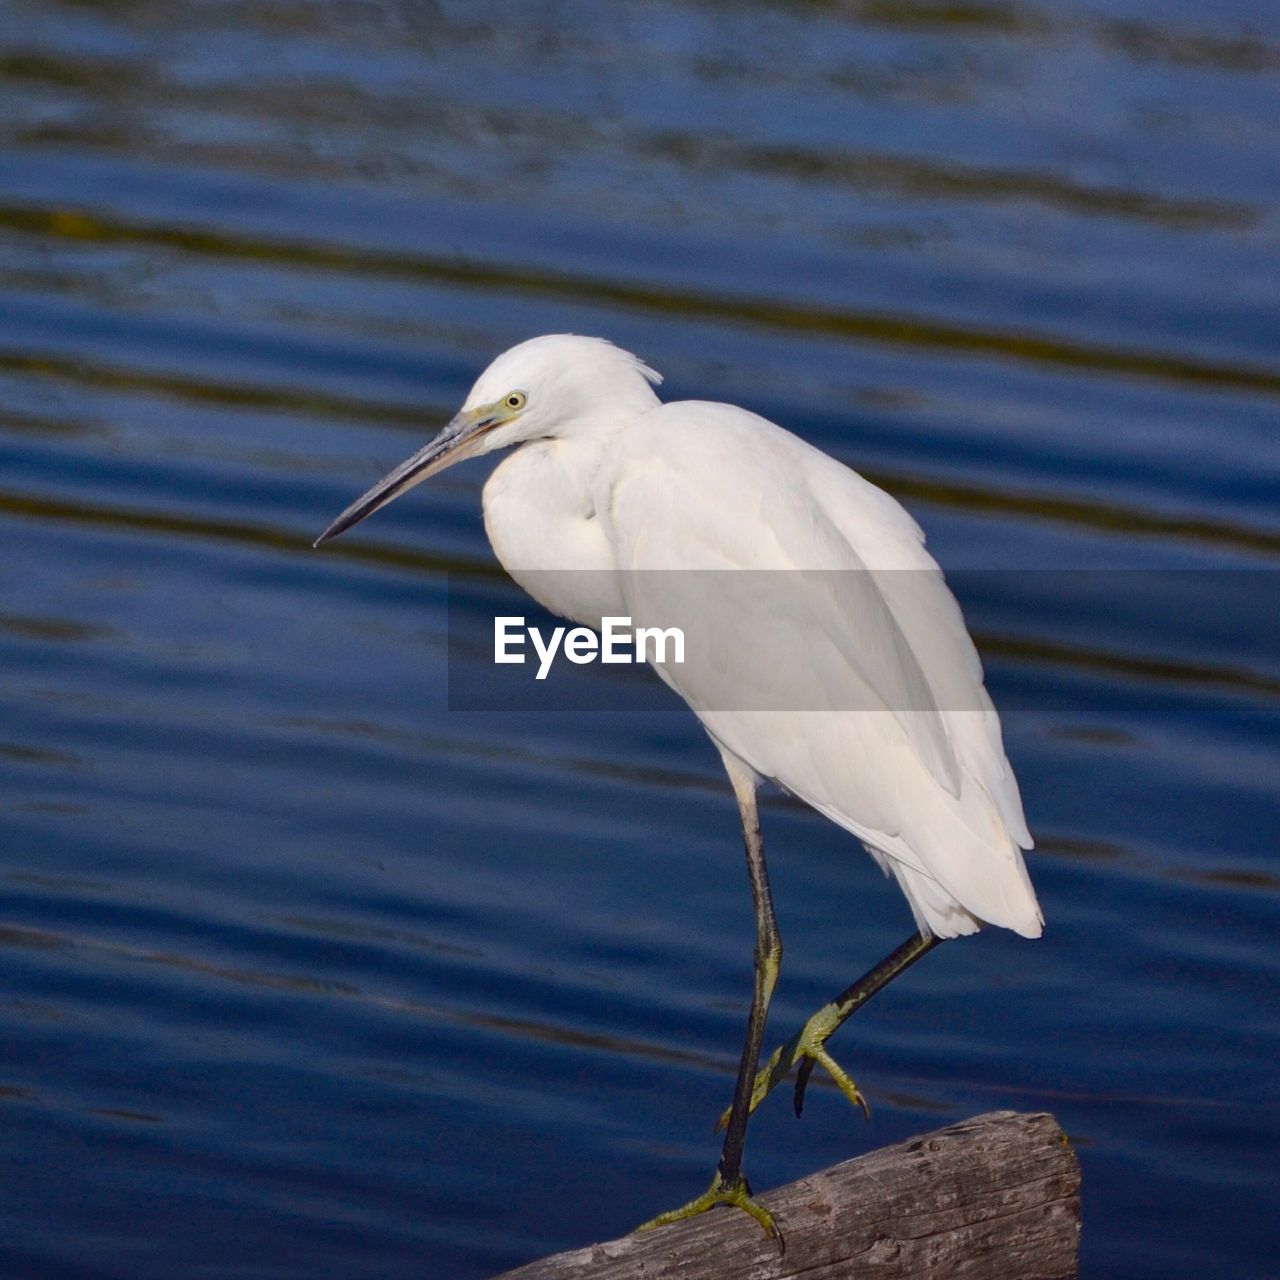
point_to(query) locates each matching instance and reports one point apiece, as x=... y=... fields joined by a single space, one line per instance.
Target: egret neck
x=540 y=515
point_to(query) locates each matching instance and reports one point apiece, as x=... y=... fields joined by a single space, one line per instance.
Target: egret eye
x=516 y=400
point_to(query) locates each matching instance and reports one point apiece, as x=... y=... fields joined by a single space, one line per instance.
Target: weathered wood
x=993 y=1198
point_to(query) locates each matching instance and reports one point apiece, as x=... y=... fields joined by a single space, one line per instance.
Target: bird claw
x=844 y=1082
x=808 y=1049
x=736 y=1193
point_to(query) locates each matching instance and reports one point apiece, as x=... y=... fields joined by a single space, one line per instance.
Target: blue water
x=306 y=973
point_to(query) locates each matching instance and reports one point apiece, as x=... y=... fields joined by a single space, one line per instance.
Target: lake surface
x=305 y=972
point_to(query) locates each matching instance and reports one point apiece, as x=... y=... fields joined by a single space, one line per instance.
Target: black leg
x=857 y=994
x=768 y=959
x=807 y=1048
x=729 y=1186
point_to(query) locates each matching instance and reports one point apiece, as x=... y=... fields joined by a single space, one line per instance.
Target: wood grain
x=996 y=1197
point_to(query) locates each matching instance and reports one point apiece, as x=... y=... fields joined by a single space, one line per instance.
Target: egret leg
x=729 y=1186
x=807 y=1048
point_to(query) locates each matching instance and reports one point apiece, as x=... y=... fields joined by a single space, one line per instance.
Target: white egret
x=872 y=707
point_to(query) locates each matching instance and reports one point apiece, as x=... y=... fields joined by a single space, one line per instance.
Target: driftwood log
x=993 y=1198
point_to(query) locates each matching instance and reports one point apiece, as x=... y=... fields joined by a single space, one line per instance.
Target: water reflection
x=903 y=330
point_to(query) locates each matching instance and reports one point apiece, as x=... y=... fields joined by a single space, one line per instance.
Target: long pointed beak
x=458 y=440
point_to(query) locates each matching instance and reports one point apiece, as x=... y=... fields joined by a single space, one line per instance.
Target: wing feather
x=840 y=666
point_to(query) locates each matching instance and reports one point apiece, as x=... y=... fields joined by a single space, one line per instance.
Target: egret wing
x=716 y=532
x=838 y=665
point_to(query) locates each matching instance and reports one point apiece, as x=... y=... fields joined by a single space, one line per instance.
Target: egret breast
x=540 y=517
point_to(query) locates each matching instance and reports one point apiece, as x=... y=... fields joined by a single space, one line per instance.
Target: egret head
x=544 y=389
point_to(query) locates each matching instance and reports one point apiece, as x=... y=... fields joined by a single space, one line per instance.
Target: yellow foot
x=736 y=1193
x=805 y=1050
